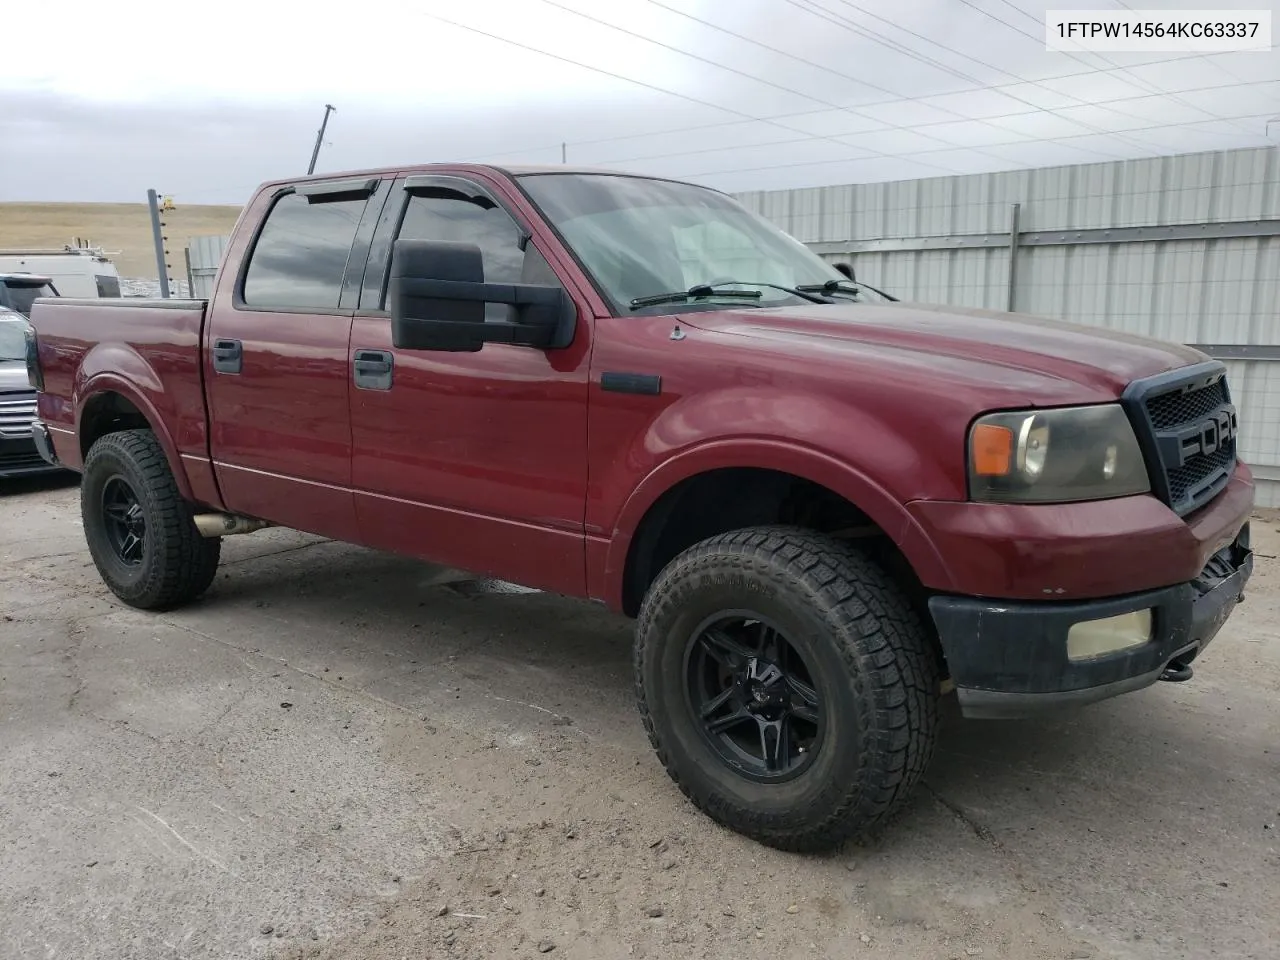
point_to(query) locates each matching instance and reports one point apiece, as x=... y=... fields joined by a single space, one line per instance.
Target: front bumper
x=1009 y=659
x=44 y=444
x=22 y=457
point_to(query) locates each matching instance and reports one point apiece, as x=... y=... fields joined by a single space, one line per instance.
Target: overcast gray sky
x=203 y=102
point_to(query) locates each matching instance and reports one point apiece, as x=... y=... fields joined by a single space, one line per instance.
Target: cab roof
x=510 y=170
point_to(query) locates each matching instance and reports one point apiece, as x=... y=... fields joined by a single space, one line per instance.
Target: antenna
x=328 y=109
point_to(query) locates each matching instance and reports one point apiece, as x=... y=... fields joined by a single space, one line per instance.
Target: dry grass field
x=123 y=229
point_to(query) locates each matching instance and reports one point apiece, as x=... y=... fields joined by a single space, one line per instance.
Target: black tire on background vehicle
x=788 y=686
x=139 y=529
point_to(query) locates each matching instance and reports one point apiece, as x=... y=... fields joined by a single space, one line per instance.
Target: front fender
x=776 y=454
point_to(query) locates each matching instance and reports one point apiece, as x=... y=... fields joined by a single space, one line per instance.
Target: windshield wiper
x=713 y=289
x=841 y=286
x=697 y=291
x=801 y=292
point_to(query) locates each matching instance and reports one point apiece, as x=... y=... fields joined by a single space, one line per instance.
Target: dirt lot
x=335 y=755
x=122 y=227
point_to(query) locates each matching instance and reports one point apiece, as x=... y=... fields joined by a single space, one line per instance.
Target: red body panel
x=149 y=356
x=476 y=459
x=281 y=430
x=516 y=462
x=1076 y=551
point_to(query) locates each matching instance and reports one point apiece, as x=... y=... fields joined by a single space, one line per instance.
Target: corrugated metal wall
x=204 y=254
x=1187 y=289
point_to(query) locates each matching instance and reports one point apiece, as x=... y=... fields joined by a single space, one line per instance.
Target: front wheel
x=140 y=531
x=788 y=686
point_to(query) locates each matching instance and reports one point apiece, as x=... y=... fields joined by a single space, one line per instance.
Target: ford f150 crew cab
x=825 y=510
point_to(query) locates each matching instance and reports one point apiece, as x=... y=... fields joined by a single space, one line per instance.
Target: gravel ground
x=339 y=754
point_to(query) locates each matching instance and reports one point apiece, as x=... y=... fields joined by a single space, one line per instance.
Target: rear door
x=276 y=364
x=478 y=460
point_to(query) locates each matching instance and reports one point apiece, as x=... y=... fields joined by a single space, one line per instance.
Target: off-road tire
x=177 y=564
x=876 y=668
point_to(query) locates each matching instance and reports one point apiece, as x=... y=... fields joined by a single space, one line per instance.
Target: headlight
x=1055 y=456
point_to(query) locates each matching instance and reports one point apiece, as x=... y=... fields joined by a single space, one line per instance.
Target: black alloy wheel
x=754 y=696
x=124 y=522
x=140 y=531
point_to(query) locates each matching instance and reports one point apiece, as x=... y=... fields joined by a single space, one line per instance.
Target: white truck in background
x=83 y=272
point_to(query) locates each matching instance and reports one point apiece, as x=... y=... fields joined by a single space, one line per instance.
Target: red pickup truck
x=825 y=509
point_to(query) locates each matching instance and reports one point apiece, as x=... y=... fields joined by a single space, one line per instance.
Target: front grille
x=17 y=411
x=21 y=460
x=1187 y=427
x=1202 y=469
x=1178 y=408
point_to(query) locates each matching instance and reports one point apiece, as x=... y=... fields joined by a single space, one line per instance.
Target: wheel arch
x=636 y=551
x=109 y=404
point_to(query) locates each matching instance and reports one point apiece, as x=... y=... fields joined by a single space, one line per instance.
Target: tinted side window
x=20 y=296
x=448 y=215
x=301 y=253
x=108 y=286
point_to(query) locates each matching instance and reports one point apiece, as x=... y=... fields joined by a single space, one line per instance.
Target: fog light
x=1097 y=638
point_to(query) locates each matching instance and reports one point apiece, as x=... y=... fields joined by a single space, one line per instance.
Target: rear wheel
x=788 y=686
x=139 y=530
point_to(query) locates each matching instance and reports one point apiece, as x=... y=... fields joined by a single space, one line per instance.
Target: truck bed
x=145 y=353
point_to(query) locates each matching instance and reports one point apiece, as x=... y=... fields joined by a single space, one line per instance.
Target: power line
x=632 y=80
x=1039 y=40
x=833 y=17
x=1138 y=81
x=742 y=73
x=1079 y=136
x=893 y=101
x=1006 y=116
x=838 y=73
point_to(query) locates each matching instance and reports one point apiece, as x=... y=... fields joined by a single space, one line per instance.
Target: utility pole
x=153 y=202
x=328 y=109
x=564 y=153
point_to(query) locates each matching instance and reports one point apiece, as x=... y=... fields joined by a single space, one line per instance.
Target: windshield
x=20 y=294
x=13 y=344
x=640 y=238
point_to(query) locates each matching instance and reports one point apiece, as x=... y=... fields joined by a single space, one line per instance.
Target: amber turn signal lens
x=992 y=448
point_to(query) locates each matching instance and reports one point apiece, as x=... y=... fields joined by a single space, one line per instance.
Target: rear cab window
x=300 y=257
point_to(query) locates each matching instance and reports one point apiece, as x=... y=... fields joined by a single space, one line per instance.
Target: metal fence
x=1183 y=248
x=204 y=255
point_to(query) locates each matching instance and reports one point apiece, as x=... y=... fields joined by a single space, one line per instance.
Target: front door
x=276 y=359
x=477 y=460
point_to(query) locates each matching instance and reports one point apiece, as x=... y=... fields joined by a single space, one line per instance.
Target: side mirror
x=436 y=295
x=846 y=269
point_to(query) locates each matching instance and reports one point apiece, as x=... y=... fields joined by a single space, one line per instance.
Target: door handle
x=373 y=369
x=228 y=356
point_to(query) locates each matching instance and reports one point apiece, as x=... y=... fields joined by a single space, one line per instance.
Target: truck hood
x=1015 y=350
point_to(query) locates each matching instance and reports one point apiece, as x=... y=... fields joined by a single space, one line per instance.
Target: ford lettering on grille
x=1217 y=431
x=1205 y=437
